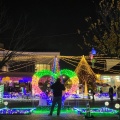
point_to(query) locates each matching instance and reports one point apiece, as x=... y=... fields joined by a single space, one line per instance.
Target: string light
x=16 y=111
x=68 y=59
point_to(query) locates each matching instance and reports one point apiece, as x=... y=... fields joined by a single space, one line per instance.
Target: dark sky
x=54 y=23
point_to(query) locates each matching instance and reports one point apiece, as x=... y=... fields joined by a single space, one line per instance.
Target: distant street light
x=106 y=104
x=5 y=103
x=117 y=106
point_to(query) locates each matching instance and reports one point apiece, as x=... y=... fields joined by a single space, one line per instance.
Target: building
x=21 y=67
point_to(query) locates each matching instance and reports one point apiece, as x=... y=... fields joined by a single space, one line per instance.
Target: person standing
x=101 y=91
x=111 y=93
x=57 y=88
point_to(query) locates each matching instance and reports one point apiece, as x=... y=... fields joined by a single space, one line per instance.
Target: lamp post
x=106 y=105
x=117 y=106
x=5 y=104
x=88 y=113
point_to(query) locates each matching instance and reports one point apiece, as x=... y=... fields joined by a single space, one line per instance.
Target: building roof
x=101 y=66
x=17 y=74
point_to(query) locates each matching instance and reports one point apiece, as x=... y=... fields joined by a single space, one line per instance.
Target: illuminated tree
x=104 y=32
x=85 y=74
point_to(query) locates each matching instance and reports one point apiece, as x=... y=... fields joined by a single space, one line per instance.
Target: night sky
x=54 y=23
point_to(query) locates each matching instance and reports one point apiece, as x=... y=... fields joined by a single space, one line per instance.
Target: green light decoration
x=45 y=72
x=1 y=93
x=93 y=62
x=36 y=77
x=47 y=111
x=68 y=110
x=68 y=73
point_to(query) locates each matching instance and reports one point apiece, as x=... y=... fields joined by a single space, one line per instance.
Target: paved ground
x=82 y=103
x=54 y=117
x=72 y=103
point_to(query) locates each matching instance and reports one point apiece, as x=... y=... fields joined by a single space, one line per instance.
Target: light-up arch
x=73 y=77
x=36 y=77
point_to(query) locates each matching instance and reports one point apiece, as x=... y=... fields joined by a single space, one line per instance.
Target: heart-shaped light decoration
x=72 y=76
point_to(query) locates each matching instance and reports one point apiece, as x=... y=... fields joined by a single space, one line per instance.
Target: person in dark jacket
x=57 y=88
x=111 y=93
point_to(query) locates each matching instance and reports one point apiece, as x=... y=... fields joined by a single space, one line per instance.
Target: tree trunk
x=86 y=89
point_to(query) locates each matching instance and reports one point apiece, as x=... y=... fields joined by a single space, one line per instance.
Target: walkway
x=54 y=117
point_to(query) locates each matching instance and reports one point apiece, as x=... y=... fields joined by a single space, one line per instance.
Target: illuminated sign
x=1 y=93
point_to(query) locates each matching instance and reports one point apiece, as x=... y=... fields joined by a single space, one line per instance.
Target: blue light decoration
x=55 y=68
x=75 y=96
x=96 y=110
x=91 y=55
x=54 y=65
x=1 y=78
x=16 y=111
x=93 y=51
x=25 y=80
x=105 y=95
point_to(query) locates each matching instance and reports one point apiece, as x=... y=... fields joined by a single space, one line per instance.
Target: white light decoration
x=117 y=106
x=89 y=91
x=33 y=92
x=106 y=103
x=5 y=103
x=5 y=68
x=63 y=77
x=48 y=85
x=91 y=97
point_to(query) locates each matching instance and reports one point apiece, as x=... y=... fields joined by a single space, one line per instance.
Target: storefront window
x=42 y=67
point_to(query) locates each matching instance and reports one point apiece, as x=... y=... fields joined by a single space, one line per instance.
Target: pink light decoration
x=91 y=56
x=16 y=78
x=35 y=87
x=73 y=89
